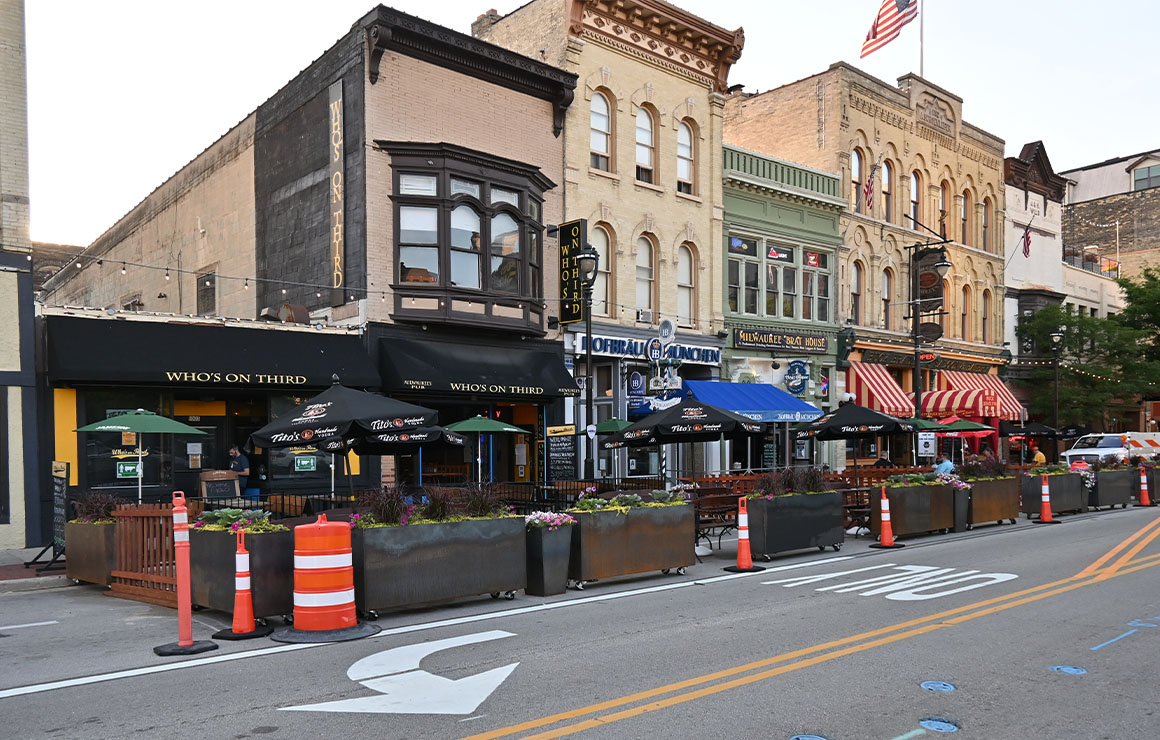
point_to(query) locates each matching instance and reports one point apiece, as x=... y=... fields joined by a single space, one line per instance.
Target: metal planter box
x=1067 y=493
x=424 y=563
x=993 y=501
x=796 y=522
x=212 y=564
x=1115 y=487
x=548 y=552
x=915 y=509
x=608 y=543
x=90 y=555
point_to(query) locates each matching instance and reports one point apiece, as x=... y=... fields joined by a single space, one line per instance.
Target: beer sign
x=572 y=238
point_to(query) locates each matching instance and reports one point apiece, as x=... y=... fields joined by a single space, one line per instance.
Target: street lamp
x=588 y=259
x=1056 y=346
x=921 y=252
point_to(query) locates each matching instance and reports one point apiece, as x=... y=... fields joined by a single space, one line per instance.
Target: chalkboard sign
x=562 y=457
x=59 y=505
x=769 y=453
x=219 y=488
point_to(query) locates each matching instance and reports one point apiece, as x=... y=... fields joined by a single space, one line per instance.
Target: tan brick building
x=933 y=167
x=642 y=164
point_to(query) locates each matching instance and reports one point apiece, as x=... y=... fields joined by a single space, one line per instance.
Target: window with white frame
x=645 y=146
x=965 y=220
x=600 y=133
x=644 y=273
x=686 y=296
x=686 y=163
x=764 y=278
x=602 y=243
x=856 y=181
x=888 y=192
x=915 y=200
x=887 y=293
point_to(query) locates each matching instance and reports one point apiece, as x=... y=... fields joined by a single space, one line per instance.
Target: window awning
x=1008 y=407
x=758 y=401
x=975 y=402
x=875 y=388
x=424 y=367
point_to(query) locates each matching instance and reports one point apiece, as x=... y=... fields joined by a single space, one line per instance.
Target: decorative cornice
x=467 y=156
x=388 y=29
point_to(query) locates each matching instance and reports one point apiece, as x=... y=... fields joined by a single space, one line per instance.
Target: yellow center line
x=1112 y=553
x=1126 y=557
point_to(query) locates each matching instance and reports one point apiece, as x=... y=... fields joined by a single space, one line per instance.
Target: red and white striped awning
x=875 y=388
x=1006 y=406
x=976 y=402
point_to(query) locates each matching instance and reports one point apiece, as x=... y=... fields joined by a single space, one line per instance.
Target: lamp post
x=588 y=259
x=919 y=253
x=1056 y=346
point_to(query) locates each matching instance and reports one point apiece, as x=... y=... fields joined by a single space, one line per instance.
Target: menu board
x=562 y=458
x=769 y=453
x=59 y=504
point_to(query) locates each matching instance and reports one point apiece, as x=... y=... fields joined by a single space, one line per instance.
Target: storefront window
x=110 y=459
x=763 y=280
x=305 y=463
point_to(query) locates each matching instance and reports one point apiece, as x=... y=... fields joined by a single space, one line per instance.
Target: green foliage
x=1049 y=470
x=659 y=496
x=96 y=507
x=912 y=479
x=250 y=521
x=626 y=501
x=1142 y=312
x=589 y=503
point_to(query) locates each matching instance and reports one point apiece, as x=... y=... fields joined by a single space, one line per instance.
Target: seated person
x=943 y=465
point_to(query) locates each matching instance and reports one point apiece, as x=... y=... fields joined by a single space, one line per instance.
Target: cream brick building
x=932 y=166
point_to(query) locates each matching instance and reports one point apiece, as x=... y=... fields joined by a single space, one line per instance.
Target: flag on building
x=868 y=188
x=1027 y=241
x=892 y=16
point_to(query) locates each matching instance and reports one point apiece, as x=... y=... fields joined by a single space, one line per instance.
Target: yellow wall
x=64 y=403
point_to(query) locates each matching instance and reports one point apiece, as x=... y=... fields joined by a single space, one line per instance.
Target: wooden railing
x=145 y=565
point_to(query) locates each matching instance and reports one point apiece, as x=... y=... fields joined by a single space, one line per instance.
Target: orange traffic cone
x=244 y=627
x=185 y=644
x=1045 y=504
x=1144 y=500
x=744 y=559
x=886 y=531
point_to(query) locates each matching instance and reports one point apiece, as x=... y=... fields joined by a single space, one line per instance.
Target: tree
x=1103 y=365
x=1142 y=312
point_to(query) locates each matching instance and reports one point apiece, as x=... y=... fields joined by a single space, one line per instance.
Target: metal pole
x=1057 y=389
x=590 y=458
x=914 y=321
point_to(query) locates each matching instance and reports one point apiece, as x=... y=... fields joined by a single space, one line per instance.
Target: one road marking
x=1109 y=642
x=30 y=624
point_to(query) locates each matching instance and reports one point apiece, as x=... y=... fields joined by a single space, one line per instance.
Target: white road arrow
x=403 y=689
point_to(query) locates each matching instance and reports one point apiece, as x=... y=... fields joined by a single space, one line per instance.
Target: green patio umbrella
x=483 y=425
x=965 y=425
x=925 y=425
x=140 y=422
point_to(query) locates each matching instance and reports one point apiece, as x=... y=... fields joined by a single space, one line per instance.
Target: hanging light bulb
x=382 y=297
x=246 y=284
x=122 y=268
x=207 y=283
x=166 y=273
x=78 y=264
x=283 y=291
x=318 y=294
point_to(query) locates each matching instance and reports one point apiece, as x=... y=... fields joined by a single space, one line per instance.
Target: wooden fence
x=145 y=568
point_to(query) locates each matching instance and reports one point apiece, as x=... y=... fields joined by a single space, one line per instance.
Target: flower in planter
x=954 y=480
x=1088 y=477
x=548 y=519
x=249 y=521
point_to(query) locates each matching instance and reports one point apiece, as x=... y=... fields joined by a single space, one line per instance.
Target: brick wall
x=14 y=204
x=1093 y=222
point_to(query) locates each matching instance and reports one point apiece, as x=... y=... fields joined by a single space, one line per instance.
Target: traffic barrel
x=244 y=627
x=1144 y=500
x=744 y=558
x=886 y=530
x=185 y=644
x=324 y=609
x=1045 y=504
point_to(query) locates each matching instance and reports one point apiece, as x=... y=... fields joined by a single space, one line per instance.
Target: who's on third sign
x=572 y=238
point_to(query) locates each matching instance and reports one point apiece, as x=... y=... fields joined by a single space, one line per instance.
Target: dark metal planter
x=1115 y=487
x=425 y=563
x=993 y=501
x=212 y=569
x=796 y=522
x=608 y=543
x=548 y=551
x=90 y=555
x=915 y=509
x=1067 y=491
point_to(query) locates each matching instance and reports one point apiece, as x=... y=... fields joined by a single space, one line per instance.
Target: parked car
x=1111 y=447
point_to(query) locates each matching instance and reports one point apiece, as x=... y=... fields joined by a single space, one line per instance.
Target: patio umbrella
x=688 y=421
x=140 y=422
x=1030 y=429
x=610 y=426
x=1073 y=431
x=484 y=425
x=851 y=421
x=954 y=426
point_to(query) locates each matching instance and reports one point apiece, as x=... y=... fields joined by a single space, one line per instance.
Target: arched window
x=600 y=135
x=985 y=311
x=942 y=315
x=686 y=159
x=856 y=181
x=986 y=242
x=965 y=234
x=915 y=199
x=645 y=146
x=601 y=242
x=888 y=192
x=505 y=254
x=465 y=250
x=686 y=296
x=944 y=197
x=965 y=315
x=887 y=292
x=644 y=273
x=856 y=294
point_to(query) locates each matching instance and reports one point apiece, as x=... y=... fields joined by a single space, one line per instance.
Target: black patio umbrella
x=851 y=421
x=688 y=421
x=1073 y=431
x=1030 y=429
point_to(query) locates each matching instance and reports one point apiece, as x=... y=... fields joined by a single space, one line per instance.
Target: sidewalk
x=15 y=577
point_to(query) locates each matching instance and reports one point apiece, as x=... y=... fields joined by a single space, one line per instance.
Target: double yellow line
x=731 y=678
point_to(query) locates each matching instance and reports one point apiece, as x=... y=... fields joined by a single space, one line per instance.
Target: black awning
x=107 y=350
x=447 y=367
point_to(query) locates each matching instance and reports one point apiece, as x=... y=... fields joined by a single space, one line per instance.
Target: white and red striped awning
x=1006 y=406
x=976 y=402
x=875 y=388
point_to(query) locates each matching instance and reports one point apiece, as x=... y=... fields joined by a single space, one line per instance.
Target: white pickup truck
x=1109 y=447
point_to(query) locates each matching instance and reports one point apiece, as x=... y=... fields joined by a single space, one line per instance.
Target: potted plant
x=90 y=555
x=919 y=502
x=791 y=510
x=994 y=495
x=456 y=542
x=549 y=545
x=213 y=542
x=1064 y=487
x=1111 y=483
x=625 y=535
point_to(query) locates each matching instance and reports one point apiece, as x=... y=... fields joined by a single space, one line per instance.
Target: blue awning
x=758 y=401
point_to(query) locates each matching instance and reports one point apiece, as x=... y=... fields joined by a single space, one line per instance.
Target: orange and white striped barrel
x=323 y=576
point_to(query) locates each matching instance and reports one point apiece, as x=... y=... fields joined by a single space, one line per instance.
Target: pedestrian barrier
x=144 y=564
x=744 y=556
x=886 y=537
x=1045 y=504
x=1144 y=500
x=185 y=644
x=244 y=626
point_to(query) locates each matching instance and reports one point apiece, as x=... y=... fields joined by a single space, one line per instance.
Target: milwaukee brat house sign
x=780 y=340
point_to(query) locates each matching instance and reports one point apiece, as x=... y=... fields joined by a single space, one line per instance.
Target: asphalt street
x=1023 y=631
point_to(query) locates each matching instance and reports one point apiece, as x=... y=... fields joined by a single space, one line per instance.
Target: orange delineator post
x=886 y=530
x=744 y=557
x=243 y=597
x=1144 y=500
x=1045 y=504
x=185 y=644
x=323 y=576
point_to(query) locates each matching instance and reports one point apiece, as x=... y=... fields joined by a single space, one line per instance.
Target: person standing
x=240 y=464
x=1037 y=456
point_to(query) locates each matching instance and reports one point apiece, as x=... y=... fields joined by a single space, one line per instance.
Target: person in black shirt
x=240 y=464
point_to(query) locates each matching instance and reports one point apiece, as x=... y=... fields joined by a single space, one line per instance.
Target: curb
x=36 y=583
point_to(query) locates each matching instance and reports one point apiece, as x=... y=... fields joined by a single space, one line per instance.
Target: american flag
x=892 y=16
x=868 y=188
x=1027 y=241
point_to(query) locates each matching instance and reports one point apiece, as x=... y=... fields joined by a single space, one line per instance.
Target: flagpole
x=921 y=39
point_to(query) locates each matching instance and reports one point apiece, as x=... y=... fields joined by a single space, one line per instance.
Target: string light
x=122 y=268
x=246 y=285
x=166 y=273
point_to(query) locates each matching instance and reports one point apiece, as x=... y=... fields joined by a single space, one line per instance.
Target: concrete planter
x=993 y=501
x=796 y=522
x=608 y=543
x=212 y=569
x=1115 y=487
x=90 y=553
x=548 y=552
x=426 y=563
x=1066 y=490
x=915 y=509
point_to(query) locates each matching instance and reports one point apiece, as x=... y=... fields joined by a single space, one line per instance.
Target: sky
x=123 y=93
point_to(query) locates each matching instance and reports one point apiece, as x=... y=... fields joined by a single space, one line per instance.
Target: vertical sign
x=572 y=236
x=337 y=223
x=59 y=505
x=930 y=283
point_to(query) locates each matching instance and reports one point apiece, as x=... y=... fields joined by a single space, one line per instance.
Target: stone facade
x=14 y=203
x=1124 y=227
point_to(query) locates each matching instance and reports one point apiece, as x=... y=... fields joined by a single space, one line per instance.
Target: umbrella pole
x=332 y=476
x=140 y=470
x=349 y=480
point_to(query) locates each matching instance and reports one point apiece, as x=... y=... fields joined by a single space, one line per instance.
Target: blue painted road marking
x=942 y=686
x=939 y=724
x=1072 y=670
x=1109 y=642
